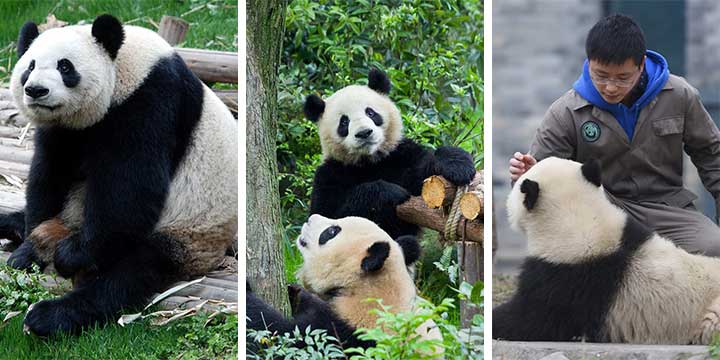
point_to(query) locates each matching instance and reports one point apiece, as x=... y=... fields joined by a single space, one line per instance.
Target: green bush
x=432 y=51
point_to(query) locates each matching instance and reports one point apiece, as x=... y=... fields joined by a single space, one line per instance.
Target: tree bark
x=265 y=260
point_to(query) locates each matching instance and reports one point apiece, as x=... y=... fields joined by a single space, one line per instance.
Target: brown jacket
x=648 y=168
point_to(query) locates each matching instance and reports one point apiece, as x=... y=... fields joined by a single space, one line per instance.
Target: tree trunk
x=265 y=260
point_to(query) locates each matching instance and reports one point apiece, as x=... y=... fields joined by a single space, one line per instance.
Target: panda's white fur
x=664 y=295
x=336 y=266
x=352 y=101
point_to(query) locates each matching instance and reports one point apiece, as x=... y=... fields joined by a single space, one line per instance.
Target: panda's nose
x=363 y=134
x=36 y=91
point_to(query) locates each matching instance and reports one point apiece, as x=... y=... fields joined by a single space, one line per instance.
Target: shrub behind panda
x=133 y=180
x=594 y=273
x=368 y=167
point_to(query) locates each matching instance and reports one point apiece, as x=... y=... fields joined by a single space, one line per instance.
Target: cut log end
x=437 y=192
x=471 y=204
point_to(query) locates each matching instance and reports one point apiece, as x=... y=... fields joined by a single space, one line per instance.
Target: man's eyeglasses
x=604 y=80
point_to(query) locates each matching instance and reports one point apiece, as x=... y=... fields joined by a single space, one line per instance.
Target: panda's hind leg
x=126 y=284
x=709 y=325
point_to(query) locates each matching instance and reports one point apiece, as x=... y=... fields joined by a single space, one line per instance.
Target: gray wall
x=538 y=50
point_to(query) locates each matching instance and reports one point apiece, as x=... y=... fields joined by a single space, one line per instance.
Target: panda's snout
x=36 y=91
x=364 y=134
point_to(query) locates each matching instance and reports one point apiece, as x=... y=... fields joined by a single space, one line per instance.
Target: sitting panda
x=134 y=176
x=595 y=274
x=346 y=262
x=368 y=167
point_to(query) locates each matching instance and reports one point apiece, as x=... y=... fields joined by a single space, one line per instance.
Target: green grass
x=213 y=24
x=136 y=341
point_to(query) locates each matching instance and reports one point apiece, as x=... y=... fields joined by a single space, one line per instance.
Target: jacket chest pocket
x=671 y=125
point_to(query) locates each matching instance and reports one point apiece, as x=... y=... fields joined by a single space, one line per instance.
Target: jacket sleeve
x=556 y=136
x=702 y=143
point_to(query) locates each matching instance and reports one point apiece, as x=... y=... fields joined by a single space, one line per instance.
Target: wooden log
x=471 y=204
x=229 y=98
x=14 y=168
x=15 y=154
x=10 y=202
x=211 y=66
x=416 y=211
x=173 y=29
x=437 y=192
x=470 y=256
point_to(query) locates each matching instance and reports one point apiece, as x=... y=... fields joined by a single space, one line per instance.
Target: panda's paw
x=70 y=257
x=455 y=165
x=393 y=194
x=24 y=257
x=51 y=317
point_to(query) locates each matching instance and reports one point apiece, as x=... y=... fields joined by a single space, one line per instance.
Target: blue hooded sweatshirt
x=657 y=72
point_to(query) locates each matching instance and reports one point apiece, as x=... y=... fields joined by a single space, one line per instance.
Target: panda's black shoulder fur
x=372 y=189
x=127 y=160
x=308 y=311
x=566 y=302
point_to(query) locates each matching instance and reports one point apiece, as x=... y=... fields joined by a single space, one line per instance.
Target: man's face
x=614 y=81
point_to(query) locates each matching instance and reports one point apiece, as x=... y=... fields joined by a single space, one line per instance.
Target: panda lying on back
x=595 y=274
x=345 y=262
x=134 y=176
x=368 y=167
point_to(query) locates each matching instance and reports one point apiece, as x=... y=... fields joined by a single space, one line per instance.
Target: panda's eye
x=32 y=65
x=370 y=112
x=328 y=234
x=376 y=118
x=342 y=129
x=65 y=66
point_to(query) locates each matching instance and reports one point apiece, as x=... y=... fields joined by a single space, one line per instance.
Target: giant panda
x=346 y=262
x=133 y=182
x=368 y=167
x=594 y=273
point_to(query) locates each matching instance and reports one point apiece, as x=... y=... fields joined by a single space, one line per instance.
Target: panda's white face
x=333 y=251
x=566 y=217
x=358 y=123
x=65 y=77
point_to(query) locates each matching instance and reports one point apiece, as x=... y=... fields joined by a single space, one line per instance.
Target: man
x=629 y=112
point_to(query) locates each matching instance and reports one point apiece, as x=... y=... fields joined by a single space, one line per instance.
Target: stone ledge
x=507 y=350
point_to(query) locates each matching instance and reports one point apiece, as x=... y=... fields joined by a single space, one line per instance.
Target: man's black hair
x=615 y=39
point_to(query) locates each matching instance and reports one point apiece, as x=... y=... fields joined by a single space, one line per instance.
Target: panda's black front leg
x=126 y=284
x=377 y=201
x=454 y=164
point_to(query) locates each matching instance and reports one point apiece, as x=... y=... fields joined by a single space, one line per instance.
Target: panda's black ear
x=531 y=189
x=28 y=33
x=376 y=256
x=314 y=107
x=410 y=248
x=378 y=81
x=591 y=171
x=108 y=31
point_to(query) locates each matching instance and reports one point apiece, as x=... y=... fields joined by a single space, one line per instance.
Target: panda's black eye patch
x=328 y=234
x=67 y=70
x=376 y=118
x=26 y=74
x=342 y=129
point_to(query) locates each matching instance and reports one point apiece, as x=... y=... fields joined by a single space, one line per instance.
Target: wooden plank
x=13 y=168
x=10 y=202
x=15 y=154
x=173 y=29
x=211 y=66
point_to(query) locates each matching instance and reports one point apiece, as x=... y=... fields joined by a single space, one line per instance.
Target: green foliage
x=203 y=338
x=19 y=289
x=714 y=347
x=318 y=345
x=432 y=51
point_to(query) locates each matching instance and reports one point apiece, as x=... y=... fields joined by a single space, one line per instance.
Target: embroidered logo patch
x=590 y=131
